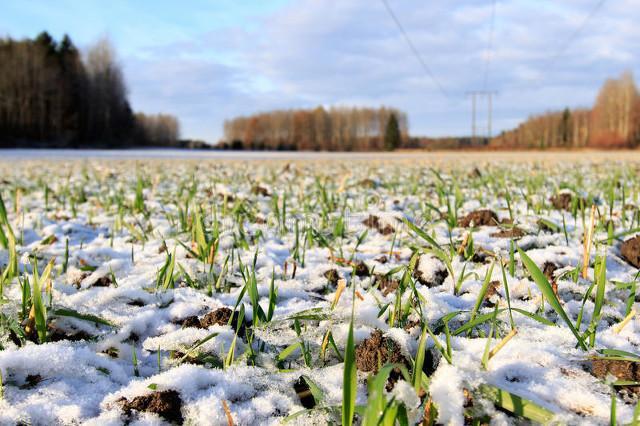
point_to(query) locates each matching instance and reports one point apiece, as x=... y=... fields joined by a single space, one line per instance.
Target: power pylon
x=476 y=94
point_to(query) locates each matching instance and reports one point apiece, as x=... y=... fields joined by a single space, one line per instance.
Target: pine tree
x=565 y=127
x=392 y=136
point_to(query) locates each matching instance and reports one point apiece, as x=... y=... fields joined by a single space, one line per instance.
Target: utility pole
x=478 y=94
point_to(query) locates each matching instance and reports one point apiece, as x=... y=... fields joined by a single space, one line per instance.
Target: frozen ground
x=154 y=242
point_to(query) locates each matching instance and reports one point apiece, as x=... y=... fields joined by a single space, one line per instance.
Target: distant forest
x=319 y=129
x=613 y=122
x=52 y=96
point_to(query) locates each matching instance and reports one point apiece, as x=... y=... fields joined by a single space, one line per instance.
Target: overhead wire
x=489 y=45
x=413 y=49
x=550 y=63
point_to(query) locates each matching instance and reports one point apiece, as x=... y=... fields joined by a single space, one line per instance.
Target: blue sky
x=206 y=61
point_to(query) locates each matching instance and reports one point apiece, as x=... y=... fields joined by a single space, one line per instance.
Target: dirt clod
x=386 y=284
x=621 y=369
x=382 y=259
x=435 y=279
x=332 y=276
x=304 y=393
x=261 y=190
x=104 y=281
x=377 y=351
x=492 y=290
x=31 y=381
x=514 y=232
x=432 y=358
x=368 y=183
x=482 y=217
x=563 y=201
x=57 y=335
x=167 y=404
x=374 y=222
x=548 y=270
x=192 y=321
x=362 y=270
x=219 y=316
x=630 y=251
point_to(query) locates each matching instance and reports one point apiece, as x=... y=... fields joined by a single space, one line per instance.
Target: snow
x=80 y=382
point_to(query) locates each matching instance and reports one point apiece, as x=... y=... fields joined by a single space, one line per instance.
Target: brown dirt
x=491 y=291
x=112 y=352
x=31 y=381
x=386 y=284
x=548 y=269
x=304 y=393
x=167 y=404
x=332 y=276
x=410 y=325
x=368 y=183
x=230 y=198
x=432 y=360
x=56 y=335
x=382 y=259
x=481 y=255
x=514 y=232
x=362 y=270
x=375 y=223
x=439 y=278
x=80 y=278
x=377 y=351
x=261 y=190
x=219 y=316
x=563 y=201
x=192 y=321
x=621 y=369
x=630 y=251
x=482 y=217
x=104 y=281
x=475 y=173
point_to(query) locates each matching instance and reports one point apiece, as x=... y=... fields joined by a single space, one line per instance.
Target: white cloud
x=314 y=52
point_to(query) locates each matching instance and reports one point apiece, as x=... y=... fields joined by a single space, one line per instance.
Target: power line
x=551 y=62
x=414 y=50
x=490 y=45
x=575 y=33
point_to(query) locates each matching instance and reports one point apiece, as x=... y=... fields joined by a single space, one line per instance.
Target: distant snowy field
x=212 y=288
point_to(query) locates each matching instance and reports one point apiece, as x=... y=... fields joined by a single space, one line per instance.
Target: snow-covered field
x=217 y=291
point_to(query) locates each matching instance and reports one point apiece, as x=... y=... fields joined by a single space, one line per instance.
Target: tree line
x=612 y=122
x=52 y=95
x=319 y=129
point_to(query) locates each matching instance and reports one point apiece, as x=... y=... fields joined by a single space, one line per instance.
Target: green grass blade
x=516 y=404
x=419 y=362
x=318 y=394
x=66 y=312
x=349 y=383
x=422 y=234
x=546 y=289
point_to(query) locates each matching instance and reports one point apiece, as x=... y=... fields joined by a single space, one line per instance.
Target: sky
x=207 y=61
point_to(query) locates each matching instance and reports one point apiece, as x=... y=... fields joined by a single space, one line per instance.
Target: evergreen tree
x=392 y=138
x=565 y=127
